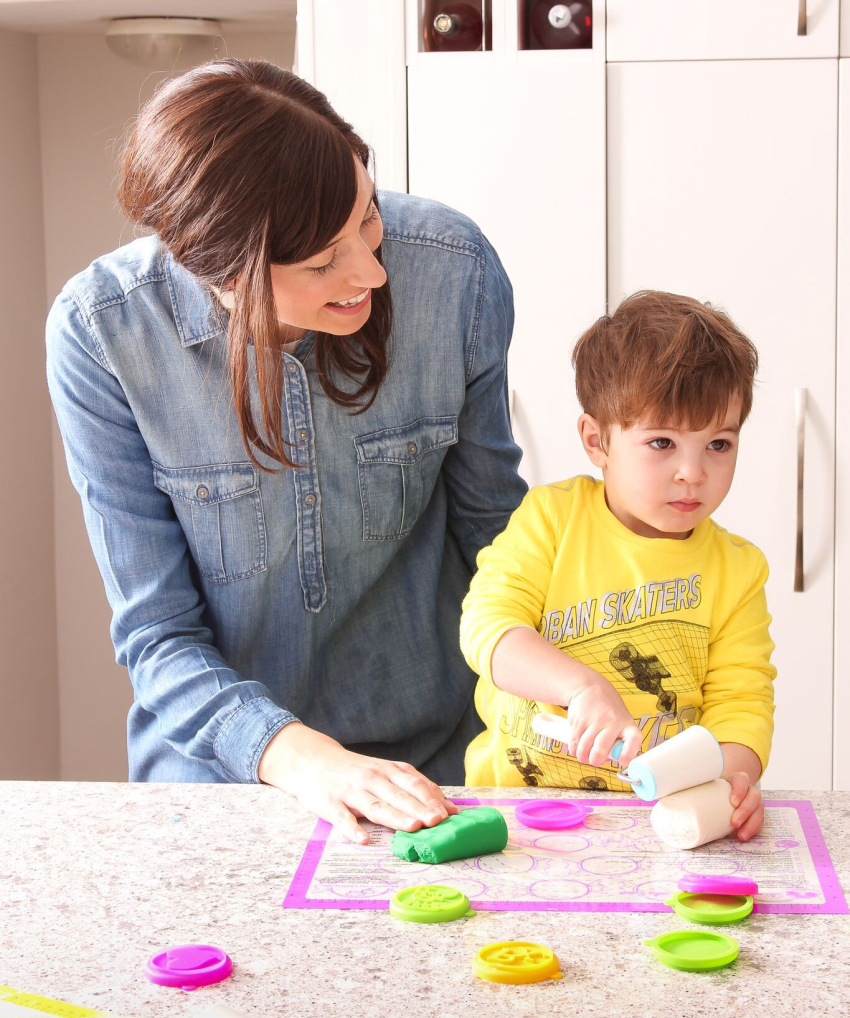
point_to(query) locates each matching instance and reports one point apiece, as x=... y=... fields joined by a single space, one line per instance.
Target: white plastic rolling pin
x=690 y=758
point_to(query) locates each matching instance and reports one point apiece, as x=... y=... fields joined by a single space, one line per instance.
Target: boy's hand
x=598 y=718
x=748 y=817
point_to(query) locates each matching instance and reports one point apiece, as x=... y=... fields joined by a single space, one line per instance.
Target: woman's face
x=317 y=295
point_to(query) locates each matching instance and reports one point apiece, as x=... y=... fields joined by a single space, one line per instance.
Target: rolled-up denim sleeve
x=483 y=484
x=204 y=708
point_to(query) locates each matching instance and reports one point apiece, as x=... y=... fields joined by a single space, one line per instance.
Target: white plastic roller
x=694 y=816
x=690 y=758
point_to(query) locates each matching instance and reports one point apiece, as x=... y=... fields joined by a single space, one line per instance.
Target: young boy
x=620 y=603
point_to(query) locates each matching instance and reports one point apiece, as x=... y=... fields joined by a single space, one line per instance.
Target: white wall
x=29 y=716
x=88 y=97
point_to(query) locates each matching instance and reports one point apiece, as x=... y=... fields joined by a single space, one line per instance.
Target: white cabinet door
x=842 y=459
x=519 y=146
x=721 y=29
x=722 y=185
x=354 y=53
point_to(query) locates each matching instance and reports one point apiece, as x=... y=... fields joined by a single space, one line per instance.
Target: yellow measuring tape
x=45 y=1005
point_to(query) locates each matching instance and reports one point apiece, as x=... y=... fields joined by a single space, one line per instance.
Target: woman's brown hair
x=238 y=165
x=666 y=360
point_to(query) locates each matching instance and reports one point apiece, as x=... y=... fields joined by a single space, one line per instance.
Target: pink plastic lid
x=552 y=814
x=189 y=966
x=708 y=883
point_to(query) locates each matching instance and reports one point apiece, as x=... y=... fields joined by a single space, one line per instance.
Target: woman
x=285 y=414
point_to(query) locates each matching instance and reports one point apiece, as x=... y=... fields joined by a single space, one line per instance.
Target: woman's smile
x=353 y=306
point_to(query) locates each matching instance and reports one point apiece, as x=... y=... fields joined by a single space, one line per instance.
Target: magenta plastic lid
x=552 y=814
x=708 y=883
x=189 y=966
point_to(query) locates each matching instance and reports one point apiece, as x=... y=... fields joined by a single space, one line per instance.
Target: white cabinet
x=721 y=29
x=722 y=185
x=519 y=145
x=513 y=138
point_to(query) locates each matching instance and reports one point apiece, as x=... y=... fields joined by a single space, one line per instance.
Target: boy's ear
x=590 y=434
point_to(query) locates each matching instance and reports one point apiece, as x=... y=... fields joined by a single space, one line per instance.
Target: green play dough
x=470 y=832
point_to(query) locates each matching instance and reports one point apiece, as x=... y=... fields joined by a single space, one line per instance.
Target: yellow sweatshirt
x=679 y=628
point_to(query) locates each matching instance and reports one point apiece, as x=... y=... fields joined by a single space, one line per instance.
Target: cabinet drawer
x=721 y=29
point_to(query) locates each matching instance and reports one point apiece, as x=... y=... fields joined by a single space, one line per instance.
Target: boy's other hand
x=748 y=815
x=598 y=718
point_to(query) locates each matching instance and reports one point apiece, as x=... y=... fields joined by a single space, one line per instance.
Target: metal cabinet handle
x=802 y=19
x=800 y=400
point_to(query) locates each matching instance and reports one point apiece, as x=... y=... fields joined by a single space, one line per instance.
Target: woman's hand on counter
x=339 y=786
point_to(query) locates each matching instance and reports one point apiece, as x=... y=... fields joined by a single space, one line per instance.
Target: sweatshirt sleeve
x=509 y=589
x=738 y=688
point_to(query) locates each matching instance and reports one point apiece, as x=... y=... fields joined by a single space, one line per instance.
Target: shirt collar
x=196 y=312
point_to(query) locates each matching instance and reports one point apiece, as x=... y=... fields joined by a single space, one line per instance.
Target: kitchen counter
x=94 y=878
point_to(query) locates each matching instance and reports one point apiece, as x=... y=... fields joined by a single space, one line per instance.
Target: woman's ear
x=590 y=434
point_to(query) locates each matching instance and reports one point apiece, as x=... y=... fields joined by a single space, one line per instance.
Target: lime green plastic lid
x=429 y=903
x=712 y=909
x=694 y=950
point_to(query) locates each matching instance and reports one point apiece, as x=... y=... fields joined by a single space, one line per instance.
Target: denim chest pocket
x=397 y=470
x=221 y=511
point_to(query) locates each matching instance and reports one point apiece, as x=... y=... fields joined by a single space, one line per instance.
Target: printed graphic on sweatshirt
x=666 y=658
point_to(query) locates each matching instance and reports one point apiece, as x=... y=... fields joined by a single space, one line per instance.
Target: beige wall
x=29 y=714
x=87 y=98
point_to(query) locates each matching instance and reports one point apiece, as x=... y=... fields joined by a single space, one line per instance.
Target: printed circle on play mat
x=713 y=864
x=611 y=865
x=561 y=842
x=606 y=822
x=552 y=814
x=694 y=950
x=429 y=903
x=758 y=846
x=657 y=890
x=498 y=862
x=558 y=890
x=471 y=888
x=361 y=890
x=516 y=961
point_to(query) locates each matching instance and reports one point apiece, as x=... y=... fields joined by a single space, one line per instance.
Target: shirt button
x=302 y=434
x=291 y=368
x=309 y=500
x=203 y=493
x=411 y=448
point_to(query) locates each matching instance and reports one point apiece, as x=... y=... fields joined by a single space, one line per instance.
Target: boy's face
x=662 y=482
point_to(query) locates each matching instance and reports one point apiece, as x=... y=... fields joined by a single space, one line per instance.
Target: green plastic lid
x=694 y=950
x=712 y=909
x=429 y=903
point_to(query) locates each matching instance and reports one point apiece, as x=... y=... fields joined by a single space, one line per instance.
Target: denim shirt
x=330 y=593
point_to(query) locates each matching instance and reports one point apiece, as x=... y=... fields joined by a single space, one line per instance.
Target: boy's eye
x=719 y=445
x=661 y=444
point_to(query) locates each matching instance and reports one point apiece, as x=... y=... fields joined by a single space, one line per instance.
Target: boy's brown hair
x=666 y=360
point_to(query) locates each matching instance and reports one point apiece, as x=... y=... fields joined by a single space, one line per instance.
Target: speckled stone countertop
x=94 y=878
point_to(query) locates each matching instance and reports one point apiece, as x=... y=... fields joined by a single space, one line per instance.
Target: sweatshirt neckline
x=656 y=545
